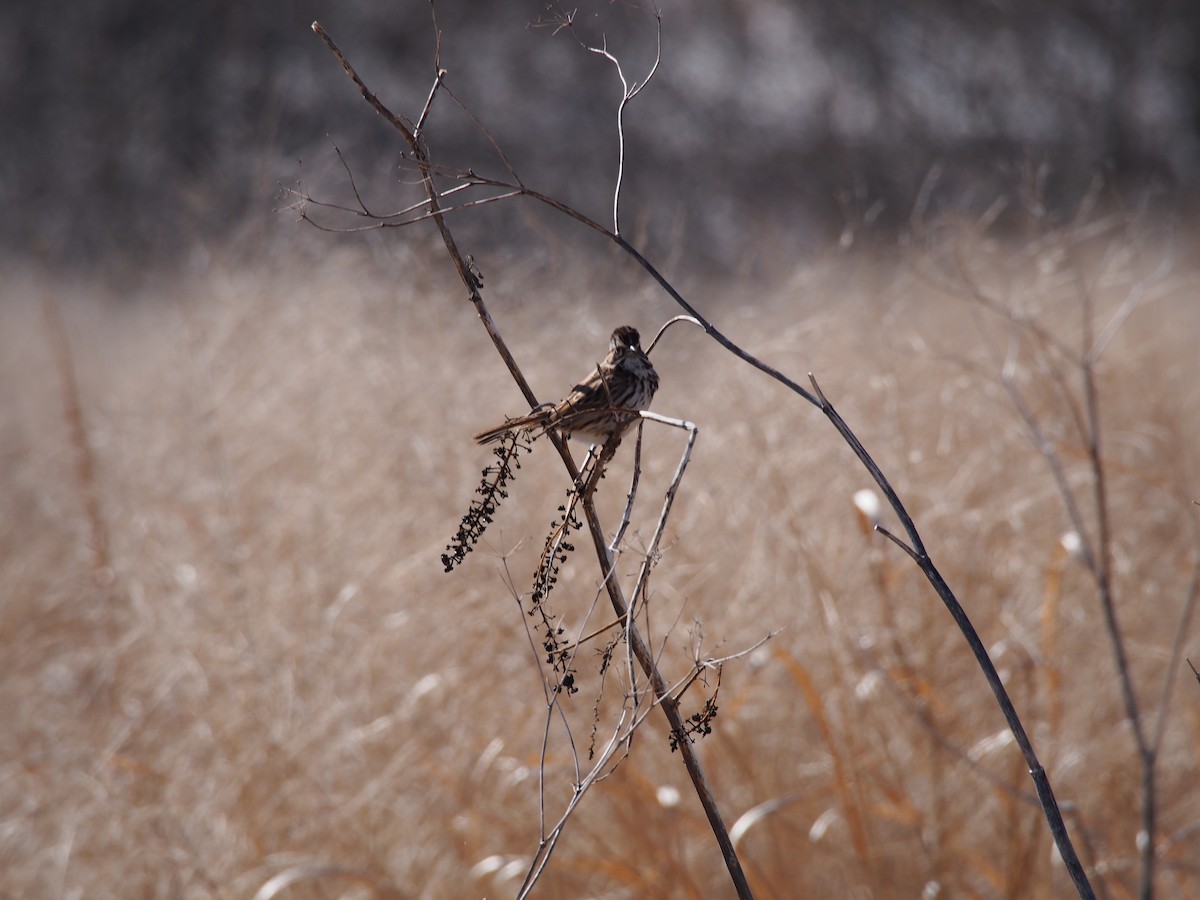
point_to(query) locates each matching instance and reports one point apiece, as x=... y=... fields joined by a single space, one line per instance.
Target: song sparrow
x=602 y=405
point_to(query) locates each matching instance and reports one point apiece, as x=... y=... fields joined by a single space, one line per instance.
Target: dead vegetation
x=273 y=671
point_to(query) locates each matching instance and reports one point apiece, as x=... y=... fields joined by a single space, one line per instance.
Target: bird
x=600 y=407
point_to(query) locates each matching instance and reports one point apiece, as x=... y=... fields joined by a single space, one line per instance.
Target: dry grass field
x=228 y=650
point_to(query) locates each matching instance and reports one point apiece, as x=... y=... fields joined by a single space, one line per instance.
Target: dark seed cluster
x=554 y=554
x=492 y=489
x=697 y=724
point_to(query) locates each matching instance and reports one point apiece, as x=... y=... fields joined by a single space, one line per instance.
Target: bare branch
x=668 y=324
x=898 y=542
x=1181 y=631
x=350 y=178
x=627 y=95
x=1134 y=298
x=437 y=83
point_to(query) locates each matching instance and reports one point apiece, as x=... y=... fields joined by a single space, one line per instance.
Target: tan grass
x=279 y=677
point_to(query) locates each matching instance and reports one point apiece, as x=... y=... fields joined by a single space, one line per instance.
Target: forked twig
x=465 y=272
x=630 y=720
x=627 y=94
x=651 y=550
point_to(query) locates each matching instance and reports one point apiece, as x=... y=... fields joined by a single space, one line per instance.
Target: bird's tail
x=522 y=423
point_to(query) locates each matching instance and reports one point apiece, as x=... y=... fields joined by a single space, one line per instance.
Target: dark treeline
x=133 y=126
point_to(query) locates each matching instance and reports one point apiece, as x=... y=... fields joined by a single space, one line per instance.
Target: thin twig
x=469 y=278
x=85 y=458
x=1181 y=632
x=437 y=83
x=615 y=544
x=353 y=186
x=652 y=549
x=1103 y=576
x=983 y=660
x=627 y=95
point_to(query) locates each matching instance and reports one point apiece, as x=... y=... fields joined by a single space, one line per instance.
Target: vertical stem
x=1103 y=574
x=85 y=461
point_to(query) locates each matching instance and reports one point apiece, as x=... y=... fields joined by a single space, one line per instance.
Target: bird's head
x=626 y=339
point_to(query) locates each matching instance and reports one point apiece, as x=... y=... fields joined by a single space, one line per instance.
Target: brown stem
x=85 y=461
x=1103 y=574
x=421 y=157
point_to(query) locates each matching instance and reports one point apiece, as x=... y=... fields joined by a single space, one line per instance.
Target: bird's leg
x=600 y=462
x=585 y=471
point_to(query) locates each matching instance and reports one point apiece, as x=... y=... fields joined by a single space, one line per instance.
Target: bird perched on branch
x=601 y=406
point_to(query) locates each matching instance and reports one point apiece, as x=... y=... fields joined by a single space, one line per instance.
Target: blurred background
x=233 y=448
x=133 y=129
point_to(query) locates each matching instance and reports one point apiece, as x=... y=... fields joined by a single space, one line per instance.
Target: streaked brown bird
x=602 y=405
